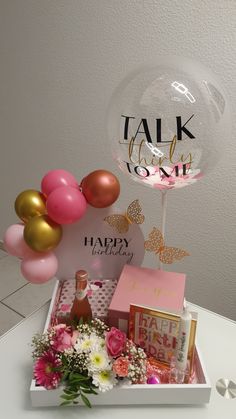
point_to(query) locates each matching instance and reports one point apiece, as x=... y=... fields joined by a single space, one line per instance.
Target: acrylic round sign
x=92 y=244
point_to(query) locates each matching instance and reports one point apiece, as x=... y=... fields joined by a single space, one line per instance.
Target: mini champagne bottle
x=81 y=307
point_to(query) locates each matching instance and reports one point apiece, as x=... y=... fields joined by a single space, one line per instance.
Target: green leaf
x=77 y=380
x=70 y=389
x=88 y=391
x=74 y=389
x=66 y=403
x=71 y=392
x=64 y=358
x=84 y=377
x=65 y=376
x=69 y=397
x=93 y=391
x=75 y=376
x=86 y=400
x=81 y=321
x=67 y=391
x=55 y=369
x=71 y=375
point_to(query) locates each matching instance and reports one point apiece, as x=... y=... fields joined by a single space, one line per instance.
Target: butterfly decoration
x=121 y=222
x=167 y=255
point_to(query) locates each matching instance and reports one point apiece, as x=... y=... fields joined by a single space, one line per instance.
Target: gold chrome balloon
x=30 y=203
x=42 y=234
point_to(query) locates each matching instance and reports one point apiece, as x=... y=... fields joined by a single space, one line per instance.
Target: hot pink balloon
x=66 y=205
x=14 y=242
x=57 y=178
x=40 y=268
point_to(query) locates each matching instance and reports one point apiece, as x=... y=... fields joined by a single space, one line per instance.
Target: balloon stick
x=163 y=218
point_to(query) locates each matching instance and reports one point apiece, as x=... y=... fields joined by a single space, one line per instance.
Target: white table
x=217 y=340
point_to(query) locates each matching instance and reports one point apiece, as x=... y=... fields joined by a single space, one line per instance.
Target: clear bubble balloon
x=168 y=124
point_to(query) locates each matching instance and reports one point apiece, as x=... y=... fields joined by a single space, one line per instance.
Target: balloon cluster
x=61 y=201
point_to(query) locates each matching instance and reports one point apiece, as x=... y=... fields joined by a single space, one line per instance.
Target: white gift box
x=94 y=246
x=195 y=393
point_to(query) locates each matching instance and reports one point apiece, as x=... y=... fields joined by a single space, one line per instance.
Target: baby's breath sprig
x=41 y=343
x=96 y=326
x=74 y=361
x=137 y=366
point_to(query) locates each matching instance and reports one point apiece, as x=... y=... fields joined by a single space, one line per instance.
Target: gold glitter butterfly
x=133 y=215
x=168 y=255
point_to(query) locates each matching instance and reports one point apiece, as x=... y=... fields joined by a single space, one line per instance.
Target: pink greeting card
x=152 y=288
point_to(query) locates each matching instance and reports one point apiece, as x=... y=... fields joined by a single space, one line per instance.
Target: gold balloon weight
x=42 y=234
x=30 y=203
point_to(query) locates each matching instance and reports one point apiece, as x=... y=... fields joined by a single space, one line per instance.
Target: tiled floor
x=18 y=298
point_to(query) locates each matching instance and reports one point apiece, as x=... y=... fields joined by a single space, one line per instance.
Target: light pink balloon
x=57 y=178
x=66 y=205
x=40 y=268
x=14 y=242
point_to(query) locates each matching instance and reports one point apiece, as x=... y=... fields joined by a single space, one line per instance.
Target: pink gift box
x=152 y=288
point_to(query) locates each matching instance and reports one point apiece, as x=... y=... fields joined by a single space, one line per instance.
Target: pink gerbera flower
x=45 y=370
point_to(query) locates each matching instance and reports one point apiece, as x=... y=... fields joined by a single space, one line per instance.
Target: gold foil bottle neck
x=81 y=275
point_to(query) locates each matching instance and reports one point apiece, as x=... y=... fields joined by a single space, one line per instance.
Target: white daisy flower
x=86 y=343
x=98 y=361
x=99 y=344
x=105 y=380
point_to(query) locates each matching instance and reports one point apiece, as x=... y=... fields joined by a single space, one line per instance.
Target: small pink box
x=152 y=288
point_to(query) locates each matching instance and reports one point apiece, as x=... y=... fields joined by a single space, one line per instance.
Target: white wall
x=59 y=63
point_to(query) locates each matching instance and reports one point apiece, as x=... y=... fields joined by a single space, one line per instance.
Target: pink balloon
x=14 y=242
x=66 y=205
x=57 y=178
x=40 y=268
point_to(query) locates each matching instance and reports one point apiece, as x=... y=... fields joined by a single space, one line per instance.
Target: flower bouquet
x=88 y=359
